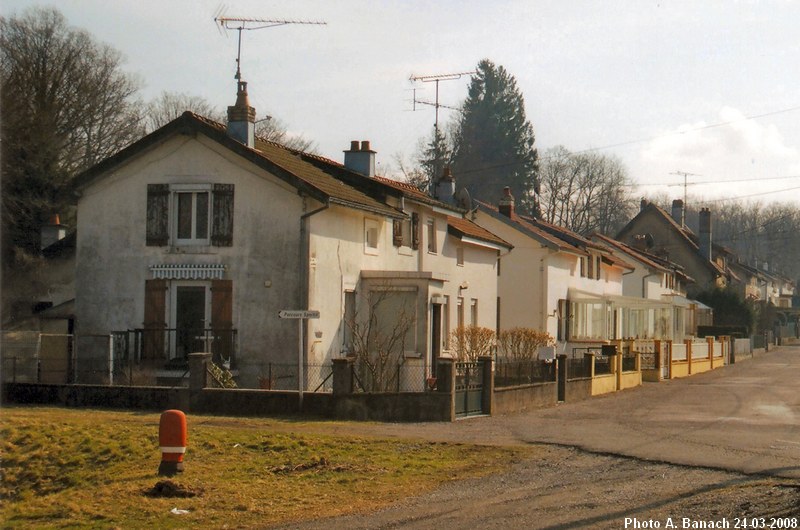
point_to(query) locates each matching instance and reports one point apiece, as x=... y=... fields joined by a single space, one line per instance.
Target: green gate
x=469 y=388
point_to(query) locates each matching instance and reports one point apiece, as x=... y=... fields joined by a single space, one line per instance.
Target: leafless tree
x=522 y=343
x=584 y=192
x=471 y=342
x=66 y=105
x=379 y=333
x=170 y=105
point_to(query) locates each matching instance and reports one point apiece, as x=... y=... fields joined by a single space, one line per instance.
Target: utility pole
x=240 y=24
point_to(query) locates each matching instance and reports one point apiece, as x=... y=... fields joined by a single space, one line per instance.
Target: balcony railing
x=173 y=345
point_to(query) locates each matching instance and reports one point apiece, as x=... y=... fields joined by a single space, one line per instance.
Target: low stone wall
x=427 y=406
x=578 y=389
x=630 y=380
x=525 y=397
x=99 y=396
x=604 y=384
x=241 y=402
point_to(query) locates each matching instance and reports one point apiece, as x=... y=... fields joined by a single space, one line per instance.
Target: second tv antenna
x=240 y=24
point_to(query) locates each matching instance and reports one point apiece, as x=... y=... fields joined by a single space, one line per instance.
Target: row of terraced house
x=203 y=237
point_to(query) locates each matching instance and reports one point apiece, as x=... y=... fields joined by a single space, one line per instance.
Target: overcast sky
x=647 y=81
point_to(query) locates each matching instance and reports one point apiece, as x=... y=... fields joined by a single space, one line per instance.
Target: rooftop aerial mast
x=240 y=24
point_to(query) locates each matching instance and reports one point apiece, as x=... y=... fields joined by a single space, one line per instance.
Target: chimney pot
x=360 y=160
x=506 y=204
x=242 y=118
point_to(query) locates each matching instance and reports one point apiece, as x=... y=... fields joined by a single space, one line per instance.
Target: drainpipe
x=644 y=284
x=305 y=249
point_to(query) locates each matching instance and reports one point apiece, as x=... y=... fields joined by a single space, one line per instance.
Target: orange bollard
x=172 y=442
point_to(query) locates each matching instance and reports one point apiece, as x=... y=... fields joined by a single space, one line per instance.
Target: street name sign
x=298 y=313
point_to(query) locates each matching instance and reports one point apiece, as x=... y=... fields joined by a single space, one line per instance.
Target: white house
x=554 y=280
x=195 y=237
x=656 y=305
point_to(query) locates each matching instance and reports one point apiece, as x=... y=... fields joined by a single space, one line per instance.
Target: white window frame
x=433 y=247
x=372 y=236
x=473 y=311
x=175 y=191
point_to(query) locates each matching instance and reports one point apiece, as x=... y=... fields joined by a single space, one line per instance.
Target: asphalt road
x=696 y=448
x=743 y=417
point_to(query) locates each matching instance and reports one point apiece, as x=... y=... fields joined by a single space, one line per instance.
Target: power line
x=641 y=140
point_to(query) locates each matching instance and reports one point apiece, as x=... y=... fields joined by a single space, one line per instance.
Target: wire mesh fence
x=628 y=363
x=648 y=361
x=399 y=377
x=578 y=368
x=284 y=376
x=514 y=373
x=603 y=365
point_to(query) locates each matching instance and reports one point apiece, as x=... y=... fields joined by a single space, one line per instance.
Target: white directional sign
x=298 y=313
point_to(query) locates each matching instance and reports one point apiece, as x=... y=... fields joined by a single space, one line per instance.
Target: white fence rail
x=678 y=351
x=699 y=350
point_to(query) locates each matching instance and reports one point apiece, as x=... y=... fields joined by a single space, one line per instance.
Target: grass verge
x=91 y=468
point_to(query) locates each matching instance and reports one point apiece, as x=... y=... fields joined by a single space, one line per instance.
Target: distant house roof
x=461 y=227
x=649 y=260
x=684 y=232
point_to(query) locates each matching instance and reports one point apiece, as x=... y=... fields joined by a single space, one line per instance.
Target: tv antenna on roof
x=240 y=24
x=435 y=79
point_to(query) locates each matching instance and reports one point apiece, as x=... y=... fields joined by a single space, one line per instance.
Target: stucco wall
x=338 y=257
x=113 y=261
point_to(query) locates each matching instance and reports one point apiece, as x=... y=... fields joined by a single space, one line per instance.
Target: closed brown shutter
x=157 y=215
x=415 y=230
x=155 y=325
x=397 y=233
x=222 y=210
x=222 y=319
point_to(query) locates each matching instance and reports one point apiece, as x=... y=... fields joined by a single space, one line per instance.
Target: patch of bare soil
x=568 y=488
x=168 y=488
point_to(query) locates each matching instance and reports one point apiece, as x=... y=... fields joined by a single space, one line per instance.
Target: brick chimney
x=360 y=159
x=506 y=203
x=52 y=232
x=677 y=212
x=242 y=118
x=705 y=233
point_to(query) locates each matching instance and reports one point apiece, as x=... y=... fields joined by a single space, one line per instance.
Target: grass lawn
x=78 y=468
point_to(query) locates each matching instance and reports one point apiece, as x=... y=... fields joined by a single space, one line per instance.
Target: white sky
x=647 y=77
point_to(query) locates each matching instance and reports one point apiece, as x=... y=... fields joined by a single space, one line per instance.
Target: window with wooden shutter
x=157 y=215
x=155 y=325
x=415 y=230
x=222 y=319
x=222 y=212
x=397 y=232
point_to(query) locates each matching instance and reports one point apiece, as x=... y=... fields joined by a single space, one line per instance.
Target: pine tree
x=433 y=157
x=493 y=146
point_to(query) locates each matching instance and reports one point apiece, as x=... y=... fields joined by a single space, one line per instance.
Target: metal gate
x=665 y=359
x=469 y=388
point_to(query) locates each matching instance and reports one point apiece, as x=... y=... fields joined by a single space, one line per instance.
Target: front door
x=190 y=315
